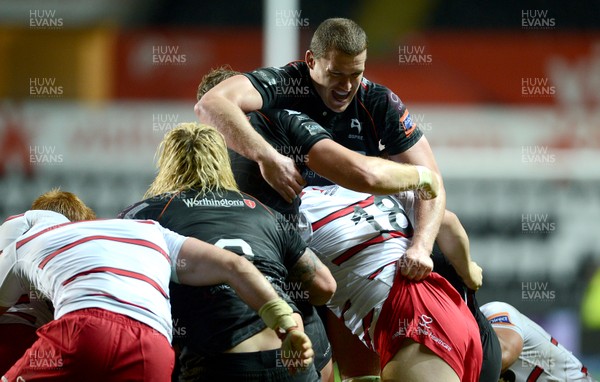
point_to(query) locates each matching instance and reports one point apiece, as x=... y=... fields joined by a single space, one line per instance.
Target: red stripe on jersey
x=24 y=299
x=28 y=239
x=119 y=300
x=341 y=213
x=367 y=321
x=535 y=374
x=28 y=317
x=120 y=272
x=145 y=221
x=357 y=248
x=584 y=370
x=554 y=341
x=144 y=243
x=370 y=118
x=13 y=217
x=377 y=272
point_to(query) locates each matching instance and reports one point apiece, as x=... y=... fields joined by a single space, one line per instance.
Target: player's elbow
x=322 y=289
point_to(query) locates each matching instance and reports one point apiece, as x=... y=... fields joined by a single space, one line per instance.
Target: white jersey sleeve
x=174 y=242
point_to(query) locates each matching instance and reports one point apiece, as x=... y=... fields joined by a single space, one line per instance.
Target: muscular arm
x=201 y=264
x=315 y=277
x=511 y=344
x=428 y=214
x=223 y=107
x=363 y=173
x=454 y=244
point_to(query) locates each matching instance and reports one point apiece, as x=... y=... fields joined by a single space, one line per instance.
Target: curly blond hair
x=192 y=156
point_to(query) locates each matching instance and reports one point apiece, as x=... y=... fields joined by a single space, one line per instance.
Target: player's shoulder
x=501 y=313
x=373 y=94
x=140 y=209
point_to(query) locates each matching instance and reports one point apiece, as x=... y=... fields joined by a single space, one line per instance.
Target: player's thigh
x=348 y=348
x=416 y=363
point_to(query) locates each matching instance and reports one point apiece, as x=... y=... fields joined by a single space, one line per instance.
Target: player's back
x=218 y=319
x=360 y=237
x=115 y=265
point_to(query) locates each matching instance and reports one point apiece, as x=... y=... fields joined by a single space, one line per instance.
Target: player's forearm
x=454 y=243
x=428 y=218
x=231 y=121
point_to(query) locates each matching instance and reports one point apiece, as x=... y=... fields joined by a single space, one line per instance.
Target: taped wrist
x=425 y=176
x=277 y=314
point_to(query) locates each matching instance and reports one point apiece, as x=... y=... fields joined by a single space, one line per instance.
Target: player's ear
x=309 y=57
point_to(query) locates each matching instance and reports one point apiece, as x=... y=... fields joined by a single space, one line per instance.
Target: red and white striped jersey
x=360 y=237
x=123 y=266
x=542 y=357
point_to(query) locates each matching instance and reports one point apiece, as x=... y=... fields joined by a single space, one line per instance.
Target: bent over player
x=108 y=282
x=422 y=331
x=194 y=193
x=529 y=353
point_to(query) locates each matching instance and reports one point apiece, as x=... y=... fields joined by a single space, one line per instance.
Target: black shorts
x=315 y=330
x=492 y=353
x=243 y=367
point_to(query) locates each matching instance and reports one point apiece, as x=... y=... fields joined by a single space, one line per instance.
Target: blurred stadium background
x=507 y=92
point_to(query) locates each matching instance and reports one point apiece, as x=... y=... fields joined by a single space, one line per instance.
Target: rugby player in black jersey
x=195 y=194
x=330 y=88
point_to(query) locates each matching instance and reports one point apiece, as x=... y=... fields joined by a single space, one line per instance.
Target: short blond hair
x=65 y=203
x=192 y=156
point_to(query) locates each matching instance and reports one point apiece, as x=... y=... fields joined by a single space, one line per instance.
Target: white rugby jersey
x=123 y=266
x=542 y=357
x=360 y=237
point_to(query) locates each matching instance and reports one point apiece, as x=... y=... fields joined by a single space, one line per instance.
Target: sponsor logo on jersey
x=406 y=122
x=313 y=128
x=206 y=202
x=500 y=319
x=250 y=203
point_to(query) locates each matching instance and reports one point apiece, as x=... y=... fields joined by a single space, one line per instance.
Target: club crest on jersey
x=250 y=203
x=355 y=124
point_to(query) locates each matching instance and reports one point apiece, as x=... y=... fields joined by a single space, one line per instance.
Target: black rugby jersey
x=292 y=134
x=375 y=123
x=212 y=319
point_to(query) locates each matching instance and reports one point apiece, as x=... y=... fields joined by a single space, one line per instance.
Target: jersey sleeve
x=174 y=242
x=504 y=316
x=278 y=86
x=399 y=131
x=302 y=130
x=294 y=245
x=10 y=285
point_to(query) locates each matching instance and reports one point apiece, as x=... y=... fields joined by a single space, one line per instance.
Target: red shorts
x=15 y=339
x=96 y=345
x=431 y=313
